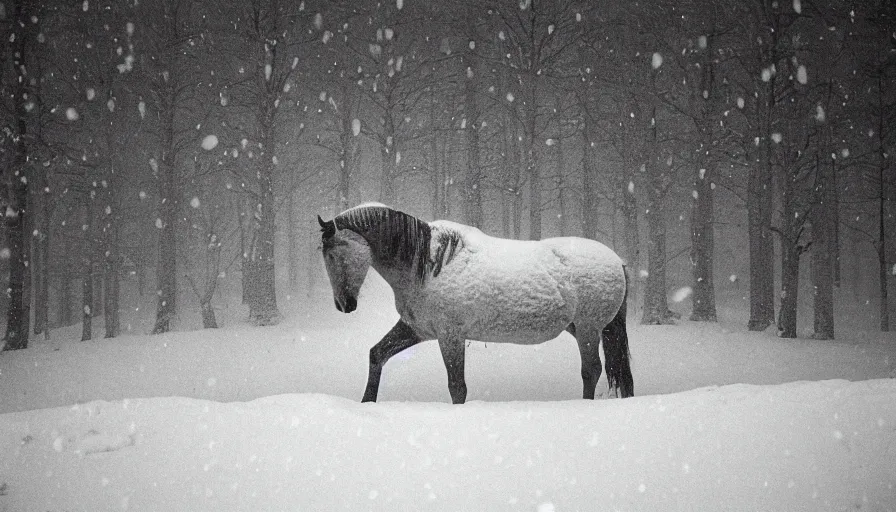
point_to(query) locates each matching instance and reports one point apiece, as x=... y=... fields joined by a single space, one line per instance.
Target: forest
x=730 y=152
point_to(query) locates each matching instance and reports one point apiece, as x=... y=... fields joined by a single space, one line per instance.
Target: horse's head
x=347 y=258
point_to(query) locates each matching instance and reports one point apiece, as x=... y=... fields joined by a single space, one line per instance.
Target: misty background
x=168 y=158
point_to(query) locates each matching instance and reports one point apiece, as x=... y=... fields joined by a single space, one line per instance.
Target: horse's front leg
x=452 y=348
x=399 y=338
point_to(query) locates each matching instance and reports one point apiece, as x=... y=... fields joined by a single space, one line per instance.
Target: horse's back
x=503 y=290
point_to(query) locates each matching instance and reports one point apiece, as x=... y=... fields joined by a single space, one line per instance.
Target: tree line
x=181 y=141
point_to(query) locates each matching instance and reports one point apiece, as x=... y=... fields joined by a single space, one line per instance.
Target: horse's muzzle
x=350 y=305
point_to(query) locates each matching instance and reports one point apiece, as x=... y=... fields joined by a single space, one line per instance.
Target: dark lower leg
x=591 y=368
x=453 y=356
x=399 y=338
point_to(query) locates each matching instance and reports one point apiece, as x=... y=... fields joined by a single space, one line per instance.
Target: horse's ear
x=327 y=228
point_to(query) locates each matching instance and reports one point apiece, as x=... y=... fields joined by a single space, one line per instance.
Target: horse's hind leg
x=453 y=355
x=399 y=338
x=588 y=340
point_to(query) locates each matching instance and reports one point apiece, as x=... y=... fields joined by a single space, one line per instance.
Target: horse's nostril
x=351 y=304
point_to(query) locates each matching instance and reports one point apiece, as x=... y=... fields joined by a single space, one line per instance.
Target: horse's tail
x=615 y=337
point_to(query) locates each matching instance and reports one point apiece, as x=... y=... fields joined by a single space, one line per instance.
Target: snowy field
x=246 y=418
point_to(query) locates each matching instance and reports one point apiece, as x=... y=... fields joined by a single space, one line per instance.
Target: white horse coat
x=510 y=291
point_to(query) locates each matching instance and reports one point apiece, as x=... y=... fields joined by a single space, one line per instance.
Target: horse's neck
x=399 y=275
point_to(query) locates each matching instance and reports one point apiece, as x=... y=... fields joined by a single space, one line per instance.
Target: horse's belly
x=496 y=311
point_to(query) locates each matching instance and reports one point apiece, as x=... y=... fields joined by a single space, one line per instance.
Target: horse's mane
x=397 y=236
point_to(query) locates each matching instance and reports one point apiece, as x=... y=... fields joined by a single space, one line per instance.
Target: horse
x=452 y=282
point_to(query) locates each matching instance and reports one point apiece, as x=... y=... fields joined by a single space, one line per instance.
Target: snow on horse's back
x=515 y=291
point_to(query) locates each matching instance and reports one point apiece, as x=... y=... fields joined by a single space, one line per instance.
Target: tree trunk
x=702 y=247
x=631 y=240
x=590 y=216
x=169 y=201
x=759 y=207
x=561 y=185
x=348 y=147
x=532 y=162
x=37 y=272
x=263 y=303
x=472 y=193
x=389 y=153
x=292 y=242
x=882 y=246
x=111 y=297
x=87 y=272
x=45 y=258
x=87 y=299
x=790 y=271
x=822 y=255
x=65 y=299
x=208 y=315
x=881 y=210
x=656 y=307
x=17 y=219
x=791 y=250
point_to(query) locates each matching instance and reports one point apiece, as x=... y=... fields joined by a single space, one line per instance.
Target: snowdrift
x=826 y=445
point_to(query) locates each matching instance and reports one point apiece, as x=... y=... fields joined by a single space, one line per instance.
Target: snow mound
x=825 y=445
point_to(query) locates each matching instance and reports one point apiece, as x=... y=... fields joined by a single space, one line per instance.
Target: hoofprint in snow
x=269 y=419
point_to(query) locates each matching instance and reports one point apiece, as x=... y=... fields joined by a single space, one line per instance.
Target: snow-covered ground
x=246 y=418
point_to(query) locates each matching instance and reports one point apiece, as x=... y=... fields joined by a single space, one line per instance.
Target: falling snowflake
x=702 y=42
x=210 y=142
x=510 y=97
x=141 y=107
x=159 y=223
x=820 y=115
x=657 y=60
x=801 y=75
x=797 y=6
x=740 y=103
x=682 y=293
x=356 y=127
x=777 y=137
x=631 y=187
x=194 y=202
x=91 y=93
x=318 y=21
x=399 y=4
x=71 y=114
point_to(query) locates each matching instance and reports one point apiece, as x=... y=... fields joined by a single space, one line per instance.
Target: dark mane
x=391 y=234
